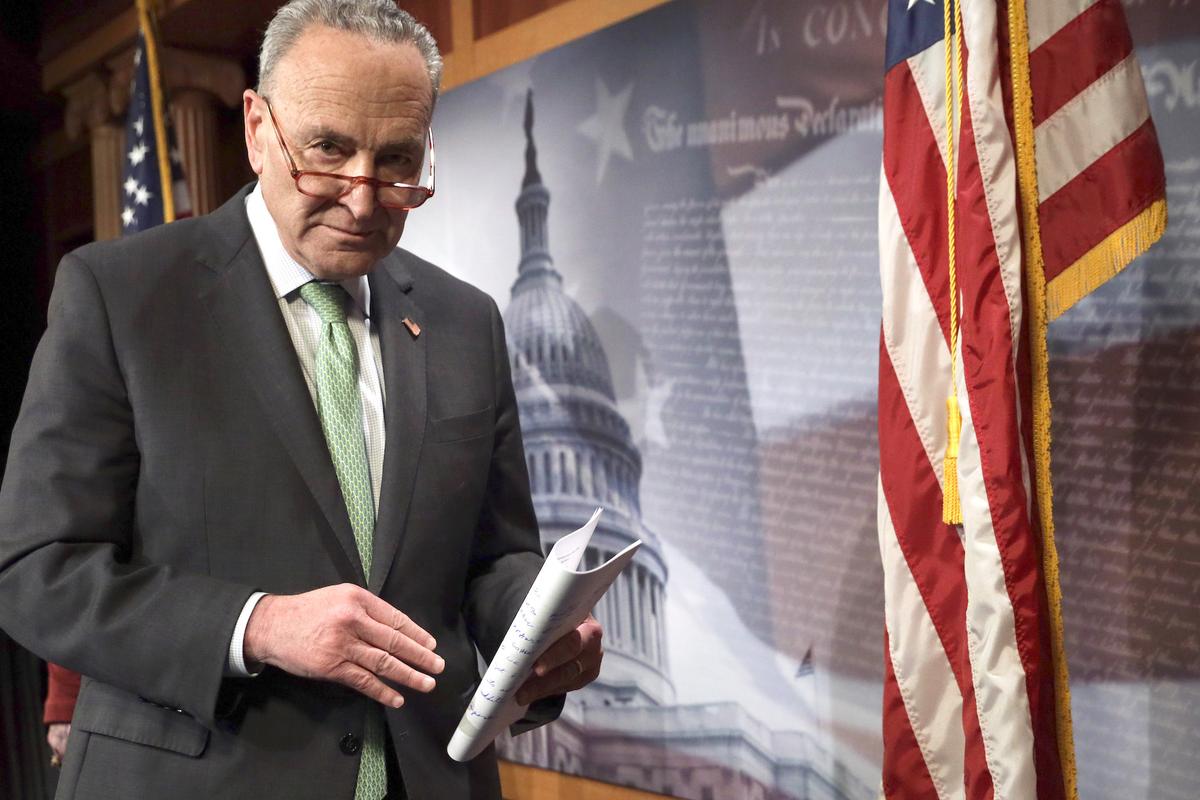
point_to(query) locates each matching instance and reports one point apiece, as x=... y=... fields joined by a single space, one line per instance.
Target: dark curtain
x=25 y=771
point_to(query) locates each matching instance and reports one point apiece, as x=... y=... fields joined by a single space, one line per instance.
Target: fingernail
x=439 y=664
x=399 y=701
x=429 y=683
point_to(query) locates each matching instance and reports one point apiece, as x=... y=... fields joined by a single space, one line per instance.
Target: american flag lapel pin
x=413 y=327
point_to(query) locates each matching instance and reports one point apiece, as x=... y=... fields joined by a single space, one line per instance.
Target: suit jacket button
x=350 y=744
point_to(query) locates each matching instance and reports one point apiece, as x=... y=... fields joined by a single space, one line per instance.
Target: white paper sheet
x=559 y=600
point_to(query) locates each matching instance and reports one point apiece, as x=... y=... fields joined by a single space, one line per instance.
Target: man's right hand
x=343 y=634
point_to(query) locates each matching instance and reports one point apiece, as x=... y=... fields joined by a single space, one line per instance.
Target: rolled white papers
x=559 y=600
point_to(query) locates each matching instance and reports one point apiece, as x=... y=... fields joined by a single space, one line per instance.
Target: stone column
x=635 y=608
x=613 y=601
x=605 y=613
x=653 y=617
x=631 y=608
x=643 y=609
x=108 y=162
x=661 y=594
x=661 y=631
x=88 y=107
x=194 y=113
x=555 y=470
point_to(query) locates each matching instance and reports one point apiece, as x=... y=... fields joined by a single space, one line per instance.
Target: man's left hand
x=570 y=663
x=56 y=736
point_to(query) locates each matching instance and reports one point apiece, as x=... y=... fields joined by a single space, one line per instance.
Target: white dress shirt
x=305 y=327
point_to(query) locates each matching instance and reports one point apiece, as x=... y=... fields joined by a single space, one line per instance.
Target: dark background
x=24 y=110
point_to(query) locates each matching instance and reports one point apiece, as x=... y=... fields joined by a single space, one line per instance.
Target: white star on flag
x=142 y=196
x=137 y=57
x=139 y=124
x=137 y=154
x=131 y=185
x=607 y=126
x=127 y=216
x=176 y=157
x=912 y=3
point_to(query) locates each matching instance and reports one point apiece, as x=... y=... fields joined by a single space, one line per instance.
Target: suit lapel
x=403 y=356
x=246 y=314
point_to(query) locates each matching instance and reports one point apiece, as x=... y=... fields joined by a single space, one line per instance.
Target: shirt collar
x=285 y=273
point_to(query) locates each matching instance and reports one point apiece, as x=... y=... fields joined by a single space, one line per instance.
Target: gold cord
x=951 y=503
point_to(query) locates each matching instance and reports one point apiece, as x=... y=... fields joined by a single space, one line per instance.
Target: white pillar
x=89 y=106
x=194 y=113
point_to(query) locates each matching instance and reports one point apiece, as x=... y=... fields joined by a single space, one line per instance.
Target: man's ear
x=256 y=142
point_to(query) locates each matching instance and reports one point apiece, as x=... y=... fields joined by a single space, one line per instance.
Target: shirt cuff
x=237 y=660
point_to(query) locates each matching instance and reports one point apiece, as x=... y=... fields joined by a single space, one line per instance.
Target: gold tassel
x=951 y=507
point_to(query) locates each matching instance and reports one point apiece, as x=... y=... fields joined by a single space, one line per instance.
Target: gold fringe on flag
x=1106 y=259
x=1035 y=307
x=158 y=107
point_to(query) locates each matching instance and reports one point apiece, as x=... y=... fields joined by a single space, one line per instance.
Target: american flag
x=973 y=639
x=142 y=193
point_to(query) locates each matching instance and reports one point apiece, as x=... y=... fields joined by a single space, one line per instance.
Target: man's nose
x=360 y=200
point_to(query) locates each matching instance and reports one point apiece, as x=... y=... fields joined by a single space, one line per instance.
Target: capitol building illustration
x=625 y=727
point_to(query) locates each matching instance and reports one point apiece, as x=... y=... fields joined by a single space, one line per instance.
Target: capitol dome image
x=581 y=455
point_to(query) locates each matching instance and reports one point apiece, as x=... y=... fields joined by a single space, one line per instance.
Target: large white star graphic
x=912 y=3
x=138 y=153
x=607 y=126
x=142 y=196
x=127 y=216
x=131 y=185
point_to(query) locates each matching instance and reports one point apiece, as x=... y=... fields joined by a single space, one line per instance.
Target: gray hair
x=379 y=20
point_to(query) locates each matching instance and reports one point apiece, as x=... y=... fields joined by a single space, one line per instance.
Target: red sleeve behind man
x=60 y=695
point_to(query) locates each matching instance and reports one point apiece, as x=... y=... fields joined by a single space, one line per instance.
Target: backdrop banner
x=677 y=218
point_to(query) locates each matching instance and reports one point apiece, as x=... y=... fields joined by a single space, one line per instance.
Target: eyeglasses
x=332 y=186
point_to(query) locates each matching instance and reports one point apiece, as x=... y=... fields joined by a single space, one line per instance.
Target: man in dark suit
x=267 y=489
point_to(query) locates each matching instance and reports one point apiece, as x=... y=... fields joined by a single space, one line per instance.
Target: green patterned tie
x=339 y=406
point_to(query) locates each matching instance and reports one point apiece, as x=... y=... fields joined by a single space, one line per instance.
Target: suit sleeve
x=507 y=554
x=71 y=587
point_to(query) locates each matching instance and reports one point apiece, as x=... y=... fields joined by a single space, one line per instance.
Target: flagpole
x=158 y=109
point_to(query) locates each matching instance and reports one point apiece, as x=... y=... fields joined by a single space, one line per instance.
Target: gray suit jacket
x=168 y=461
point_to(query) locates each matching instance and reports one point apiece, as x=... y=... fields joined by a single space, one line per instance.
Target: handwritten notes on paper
x=559 y=600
